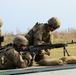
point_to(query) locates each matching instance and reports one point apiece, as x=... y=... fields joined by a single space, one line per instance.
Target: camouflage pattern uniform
x=39 y=34
x=15 y=59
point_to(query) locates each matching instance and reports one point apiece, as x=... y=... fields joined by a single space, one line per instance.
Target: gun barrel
x=71 y=43
x=48 y=46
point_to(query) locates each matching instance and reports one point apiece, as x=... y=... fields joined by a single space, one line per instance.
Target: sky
x=21 y=15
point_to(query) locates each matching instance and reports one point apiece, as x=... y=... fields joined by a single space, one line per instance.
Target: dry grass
x=65 y=36
x=58 y=52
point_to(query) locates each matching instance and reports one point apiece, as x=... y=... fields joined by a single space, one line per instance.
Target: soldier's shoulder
x=38 y=26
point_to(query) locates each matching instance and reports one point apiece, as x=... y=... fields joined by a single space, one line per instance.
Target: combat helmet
x=54 y=22
x=1 y=22
x=20 y=40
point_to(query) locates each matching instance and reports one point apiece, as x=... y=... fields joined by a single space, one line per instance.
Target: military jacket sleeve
x=14 y=57
x=50 y=37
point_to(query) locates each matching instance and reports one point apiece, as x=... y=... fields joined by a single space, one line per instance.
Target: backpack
x=30 y=35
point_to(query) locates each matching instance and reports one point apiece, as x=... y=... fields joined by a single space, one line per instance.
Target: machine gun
x=47 y=46
x=34 y=48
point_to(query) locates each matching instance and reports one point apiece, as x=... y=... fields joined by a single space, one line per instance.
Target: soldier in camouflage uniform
x=15 y=59
x=41 y=33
